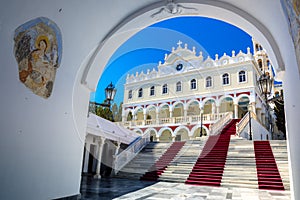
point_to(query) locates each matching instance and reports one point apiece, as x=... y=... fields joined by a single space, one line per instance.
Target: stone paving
x=115 y=188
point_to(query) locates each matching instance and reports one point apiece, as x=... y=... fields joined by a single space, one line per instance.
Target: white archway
x=192 y=133
x=93 y=66
x=164 y=129
x=213 y=9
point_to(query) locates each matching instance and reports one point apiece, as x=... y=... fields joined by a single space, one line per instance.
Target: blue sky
x=146 y=48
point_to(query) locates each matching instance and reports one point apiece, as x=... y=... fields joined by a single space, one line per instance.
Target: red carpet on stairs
x=267 y=171
x=209 y=167
x=161 y=164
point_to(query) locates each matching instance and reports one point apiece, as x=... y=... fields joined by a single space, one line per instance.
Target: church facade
x=187 y=92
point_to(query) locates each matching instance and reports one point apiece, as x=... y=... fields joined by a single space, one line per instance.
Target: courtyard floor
x=115 y=188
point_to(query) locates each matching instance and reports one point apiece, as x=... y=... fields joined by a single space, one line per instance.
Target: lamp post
x=249 y=111
x=201 y=121
x=265 y=83
x=110 y=92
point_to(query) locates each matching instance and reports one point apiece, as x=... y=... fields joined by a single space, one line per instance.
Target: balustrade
x=194 y=119
x=130 y=152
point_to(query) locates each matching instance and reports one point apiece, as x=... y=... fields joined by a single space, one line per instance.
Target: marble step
x=239 y=185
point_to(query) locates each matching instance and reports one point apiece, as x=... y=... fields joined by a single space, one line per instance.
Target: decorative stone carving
x=171 y=8
x=38 y=50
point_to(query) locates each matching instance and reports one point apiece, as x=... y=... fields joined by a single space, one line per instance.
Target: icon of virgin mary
x=37 y=54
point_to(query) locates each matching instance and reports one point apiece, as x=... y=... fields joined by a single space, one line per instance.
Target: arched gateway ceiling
x=165 y=10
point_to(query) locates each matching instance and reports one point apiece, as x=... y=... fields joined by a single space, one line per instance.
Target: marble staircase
x=158 y=168
x=279 y=148
x=208 y=170
x=141 y=163
x=267 y=172
x=239 y=170
x=178 y=170
x=240 y=166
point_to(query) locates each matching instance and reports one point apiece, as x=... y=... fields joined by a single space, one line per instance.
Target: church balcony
x=171 y=121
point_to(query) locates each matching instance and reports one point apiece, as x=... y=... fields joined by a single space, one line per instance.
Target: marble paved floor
x=113 y=188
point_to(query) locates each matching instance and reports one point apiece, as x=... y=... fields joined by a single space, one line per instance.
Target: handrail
x=220 y=124
x=244 y=122
x=130 y=152
x=257 y=129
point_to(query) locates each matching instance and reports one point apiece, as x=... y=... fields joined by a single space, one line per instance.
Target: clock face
x=179 y=67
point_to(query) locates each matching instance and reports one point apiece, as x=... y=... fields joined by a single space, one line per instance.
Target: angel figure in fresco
x=40 y=73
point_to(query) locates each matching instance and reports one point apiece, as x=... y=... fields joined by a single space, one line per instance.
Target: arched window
x=140 y=93
x=242 y=76
x=225 y=78
x=152 y=91
x=260 y=64
x=178 y=86
x=165 y=89
x=208 y=82
x=130 y=94
x=193 y=84
x=256 y=47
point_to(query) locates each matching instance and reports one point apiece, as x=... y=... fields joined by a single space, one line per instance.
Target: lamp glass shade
x=265 y=83
x=110 y=92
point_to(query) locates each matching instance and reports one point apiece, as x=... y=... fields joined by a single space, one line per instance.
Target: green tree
x=280 y=117
x=119 y=115
x=114 y=110
x=104 y=112
x=117 y=112
x=92 y=108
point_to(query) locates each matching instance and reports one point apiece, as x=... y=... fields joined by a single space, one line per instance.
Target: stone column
x=185 y=113
x=173 y=138
x=236 y=111
x=145 y=115
x=100 y=149
x=171 y=117
x=218 y=111
x=118 y=148
x=213 y=108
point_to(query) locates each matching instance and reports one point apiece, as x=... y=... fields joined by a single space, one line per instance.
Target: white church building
x=188 y=91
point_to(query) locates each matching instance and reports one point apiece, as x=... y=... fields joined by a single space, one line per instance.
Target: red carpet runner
x=267 y=171
x=209 y=167
x=159 y=167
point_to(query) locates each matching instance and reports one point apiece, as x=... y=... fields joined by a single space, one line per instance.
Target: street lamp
x=110 y=92
x=249 y=111
x=265 y=83
x=201 y=121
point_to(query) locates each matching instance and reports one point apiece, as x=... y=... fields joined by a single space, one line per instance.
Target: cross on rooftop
x=179 y=43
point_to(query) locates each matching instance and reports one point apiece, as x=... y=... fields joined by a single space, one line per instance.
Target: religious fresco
x=38 y=50
x=292 y=12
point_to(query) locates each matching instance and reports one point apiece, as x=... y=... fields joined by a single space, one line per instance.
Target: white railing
x=130 y=152
x=242 y=124
x=259 y=132
x=194 y=119
x=164 y=120
x=221 y=123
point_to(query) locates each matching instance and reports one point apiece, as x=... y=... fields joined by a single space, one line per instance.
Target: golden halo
x=39 y=39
